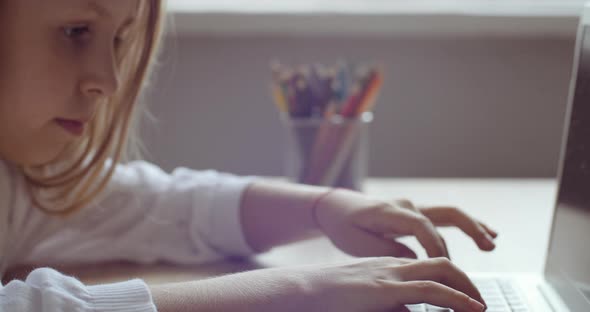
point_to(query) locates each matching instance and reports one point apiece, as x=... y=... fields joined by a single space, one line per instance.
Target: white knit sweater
x=146 y=215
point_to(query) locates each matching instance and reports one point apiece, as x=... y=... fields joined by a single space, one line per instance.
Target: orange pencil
x=371 y=95
x=353 y=102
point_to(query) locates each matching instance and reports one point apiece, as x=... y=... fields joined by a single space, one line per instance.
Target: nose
x=101 y=77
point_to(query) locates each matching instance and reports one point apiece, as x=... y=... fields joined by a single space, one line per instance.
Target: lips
x=74 y=127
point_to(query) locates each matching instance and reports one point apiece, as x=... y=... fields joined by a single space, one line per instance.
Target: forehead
x=108 y=9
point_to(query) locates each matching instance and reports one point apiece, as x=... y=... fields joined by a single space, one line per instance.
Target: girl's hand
x=388 y=284
x=365 y=227
x=357 y=285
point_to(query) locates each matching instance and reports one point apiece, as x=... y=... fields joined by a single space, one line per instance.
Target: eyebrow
x=101 y=11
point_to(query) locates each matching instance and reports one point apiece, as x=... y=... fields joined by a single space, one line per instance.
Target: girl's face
x=57 y=60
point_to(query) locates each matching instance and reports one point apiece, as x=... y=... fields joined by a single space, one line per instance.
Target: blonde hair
x=82 y=171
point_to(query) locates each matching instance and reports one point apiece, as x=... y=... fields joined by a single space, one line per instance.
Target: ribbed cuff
x=226 y=226
x=128 y=296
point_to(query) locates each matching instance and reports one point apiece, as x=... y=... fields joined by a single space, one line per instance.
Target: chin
x=36 y=158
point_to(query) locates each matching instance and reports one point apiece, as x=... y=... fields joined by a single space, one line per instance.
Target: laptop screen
x=568 y=261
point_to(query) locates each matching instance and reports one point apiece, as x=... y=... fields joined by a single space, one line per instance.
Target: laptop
x=565 y=284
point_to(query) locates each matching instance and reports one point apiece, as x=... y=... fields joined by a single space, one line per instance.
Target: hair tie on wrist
x=315 y=206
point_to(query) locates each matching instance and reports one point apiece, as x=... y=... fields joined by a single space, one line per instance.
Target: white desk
x=520 y=210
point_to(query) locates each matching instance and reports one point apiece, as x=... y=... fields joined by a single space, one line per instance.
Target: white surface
x=459 y=17
x=519 y=209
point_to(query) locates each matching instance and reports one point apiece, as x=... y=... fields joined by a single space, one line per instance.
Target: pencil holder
x=327 y=151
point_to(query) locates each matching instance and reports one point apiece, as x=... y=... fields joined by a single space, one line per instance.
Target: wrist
x=278 y=213
x=316 y=203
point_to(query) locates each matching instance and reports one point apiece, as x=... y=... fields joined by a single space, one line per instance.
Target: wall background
x=450 y=107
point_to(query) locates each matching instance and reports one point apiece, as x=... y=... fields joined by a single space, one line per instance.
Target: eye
x=76 y=31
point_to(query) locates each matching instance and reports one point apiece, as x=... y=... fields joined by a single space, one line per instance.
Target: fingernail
x=476 y=306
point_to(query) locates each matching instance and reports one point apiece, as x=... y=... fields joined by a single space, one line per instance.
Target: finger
x=440 y=270
x=493 y=233
x=403 y=251
x=428 y=237
x=410 y=206
x=450 y=216
x=445 y=245
x=405 y=203
x=406 y=222
x=430 y=292
x=398 y=250
x=368 y=244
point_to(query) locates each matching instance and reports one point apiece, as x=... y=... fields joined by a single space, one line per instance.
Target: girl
x=71 y=74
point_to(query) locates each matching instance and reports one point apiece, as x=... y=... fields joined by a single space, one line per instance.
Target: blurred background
x=472 y=88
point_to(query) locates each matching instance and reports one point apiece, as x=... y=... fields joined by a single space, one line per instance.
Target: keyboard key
x=431 y=308
x=416 y=307
x=498 y=307
x=520 y=308
x=499 y=294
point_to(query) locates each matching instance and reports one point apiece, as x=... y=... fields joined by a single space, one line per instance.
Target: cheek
x=36 y=93
x=26 y=139
x=20 y=105
x=48 y=74
x=30 y=98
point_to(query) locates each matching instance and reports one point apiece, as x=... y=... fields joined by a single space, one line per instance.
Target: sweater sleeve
x=147 y=215
x=47 y=290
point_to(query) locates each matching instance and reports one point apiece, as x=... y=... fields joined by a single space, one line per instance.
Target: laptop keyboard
x=499 y=294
